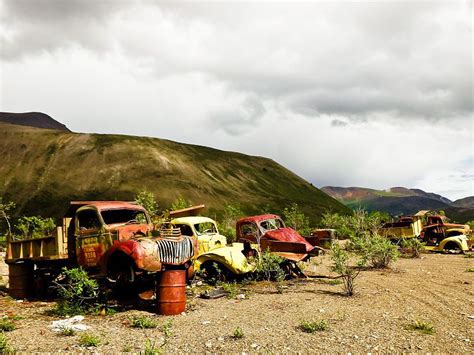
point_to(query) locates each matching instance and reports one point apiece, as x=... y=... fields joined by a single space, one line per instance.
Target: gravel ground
x=436 y=288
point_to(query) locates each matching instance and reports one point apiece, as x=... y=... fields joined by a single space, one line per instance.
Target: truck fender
x=142 y=254
x=454 y=240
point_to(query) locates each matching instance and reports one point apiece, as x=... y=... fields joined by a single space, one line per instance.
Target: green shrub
x=231 y=288
x=34 y=227
x=380 y=251
x=312 y=327
x=238 y=333
x=143 y=322
x=4 y=347
x=180 y=203
x=151 y=349
x=269 y=267
x=147 y=199
x=413 y=246
x=376 y=250
x=360 y=222
x=167 y=329
x=341 y=266
x=68 y=332
x=422 y=326
x=296 y=219
x=78 y=294
x=6 y=325
x=89 y=340
x=227 y=225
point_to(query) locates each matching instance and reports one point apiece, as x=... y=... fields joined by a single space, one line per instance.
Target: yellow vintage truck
x=213 y=248
x=433 y=230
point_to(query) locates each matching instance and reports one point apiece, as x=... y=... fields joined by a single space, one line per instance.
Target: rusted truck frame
x=113 y=240
x=437 y=235
x=270 y=233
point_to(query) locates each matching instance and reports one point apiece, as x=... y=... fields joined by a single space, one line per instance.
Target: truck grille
x=175 y=252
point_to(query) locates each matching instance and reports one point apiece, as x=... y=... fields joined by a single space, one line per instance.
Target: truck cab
x=270 y=232
x=203 y=229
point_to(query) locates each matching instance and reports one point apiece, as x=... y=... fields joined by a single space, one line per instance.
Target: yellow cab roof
x=192 y=220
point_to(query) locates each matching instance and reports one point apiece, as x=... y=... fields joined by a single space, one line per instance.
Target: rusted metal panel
x=271 y=232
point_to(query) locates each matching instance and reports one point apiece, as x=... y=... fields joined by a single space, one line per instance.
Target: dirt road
x=436 y=289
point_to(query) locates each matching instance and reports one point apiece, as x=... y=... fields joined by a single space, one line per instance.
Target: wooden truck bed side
x=52 y=247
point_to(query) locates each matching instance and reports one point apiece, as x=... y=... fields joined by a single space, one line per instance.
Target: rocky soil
x=436 y=289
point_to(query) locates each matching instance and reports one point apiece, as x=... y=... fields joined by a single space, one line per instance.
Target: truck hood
x=129 y=231
x=288 y=235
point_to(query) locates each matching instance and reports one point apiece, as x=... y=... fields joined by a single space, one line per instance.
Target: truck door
x=88 y=236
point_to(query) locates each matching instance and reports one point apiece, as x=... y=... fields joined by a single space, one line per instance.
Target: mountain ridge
x=401 y=200
x=33 y=119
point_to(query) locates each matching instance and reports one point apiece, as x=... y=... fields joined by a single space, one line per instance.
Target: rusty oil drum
x=20 y=279
x=171 y=292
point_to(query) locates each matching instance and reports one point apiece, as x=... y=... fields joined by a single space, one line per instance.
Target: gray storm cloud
x=400 y=58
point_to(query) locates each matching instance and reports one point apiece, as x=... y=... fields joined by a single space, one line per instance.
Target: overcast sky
x=373 y=94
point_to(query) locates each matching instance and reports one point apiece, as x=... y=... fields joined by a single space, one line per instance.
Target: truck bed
x=52 y=247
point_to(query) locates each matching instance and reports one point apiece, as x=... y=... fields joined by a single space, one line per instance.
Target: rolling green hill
x=42 y=170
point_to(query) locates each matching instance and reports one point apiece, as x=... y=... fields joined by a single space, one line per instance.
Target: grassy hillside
x=42 y=170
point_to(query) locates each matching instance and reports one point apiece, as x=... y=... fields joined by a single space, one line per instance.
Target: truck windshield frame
x=124 y=216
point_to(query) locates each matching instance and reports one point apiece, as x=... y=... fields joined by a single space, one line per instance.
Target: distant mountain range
x=33 y=119
x=401 y=200
x=43 y=169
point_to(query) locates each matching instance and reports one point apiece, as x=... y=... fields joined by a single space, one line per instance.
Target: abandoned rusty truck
x=436 y=233
x=112 y=240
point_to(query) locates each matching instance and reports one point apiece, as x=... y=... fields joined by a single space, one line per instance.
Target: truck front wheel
x=121 y=276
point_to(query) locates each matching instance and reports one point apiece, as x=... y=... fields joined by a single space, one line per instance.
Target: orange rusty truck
x=112 y=240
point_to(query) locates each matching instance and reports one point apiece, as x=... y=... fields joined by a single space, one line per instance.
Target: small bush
x=6 y=325
x=180 y=203
x=341 y=266
x=148 y=201
x=4 y=347
x=89 y=340
x=231 y=288
x=227 y=224
x=143 y=322
x=414 y=246
x=34 y=227
x=268 y=267
x=238 y=333
x=151 y=349
x=422 y=326
x=296 y=219
x=167 y=329
x=470 y=269
x=68 y=332
x=375 y=249
x=77 y=292
x=312 y=327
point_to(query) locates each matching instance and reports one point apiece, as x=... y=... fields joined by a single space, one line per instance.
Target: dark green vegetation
x=42 y=170
x=313 y=327
x=422 y=326
x=400 y=200
x=78 y=293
